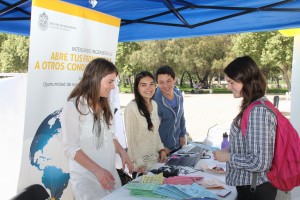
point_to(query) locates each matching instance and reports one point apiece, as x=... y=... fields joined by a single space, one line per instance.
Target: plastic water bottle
x=225 y=142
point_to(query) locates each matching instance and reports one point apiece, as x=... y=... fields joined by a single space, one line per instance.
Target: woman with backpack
x=249 y=157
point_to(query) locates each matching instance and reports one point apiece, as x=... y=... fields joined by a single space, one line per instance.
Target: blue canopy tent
x=162 y=19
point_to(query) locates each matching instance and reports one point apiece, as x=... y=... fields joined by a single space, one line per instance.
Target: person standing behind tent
x=88 y=135
x=141 y=124
x=254 y=153
x=169 y=99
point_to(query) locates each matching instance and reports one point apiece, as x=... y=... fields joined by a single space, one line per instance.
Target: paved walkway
x=203 y=111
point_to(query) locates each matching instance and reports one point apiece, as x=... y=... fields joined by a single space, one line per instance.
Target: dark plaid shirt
x=254 y=153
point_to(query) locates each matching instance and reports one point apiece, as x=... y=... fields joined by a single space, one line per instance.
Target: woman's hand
x=221 y=156
x=124 y=156
x=142 y=169
x=126 y=161
x=167 y=150
x=182 y=141
x=163 y=156
x=105 y=178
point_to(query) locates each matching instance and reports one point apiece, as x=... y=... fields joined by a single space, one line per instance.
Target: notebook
x=187 y=161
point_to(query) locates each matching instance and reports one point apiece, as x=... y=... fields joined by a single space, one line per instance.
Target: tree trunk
x=277 y=81
x=205 y=80
x=124 y=80
x=130 y=83
x=181 y=79
x=198 y=77
x=190 y=79
x=210 y=81
x=286 y=78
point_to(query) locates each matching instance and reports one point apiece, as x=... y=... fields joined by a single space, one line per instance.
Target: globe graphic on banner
x=46 y=155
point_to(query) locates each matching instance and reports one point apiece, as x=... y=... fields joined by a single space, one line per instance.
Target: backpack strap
x=271 y=107
x=253 y=183
x=246 y=113
x=244 y=123
x=245 y=116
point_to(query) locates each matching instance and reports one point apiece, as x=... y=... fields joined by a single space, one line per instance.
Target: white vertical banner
x=118 y=118
x=63 y=39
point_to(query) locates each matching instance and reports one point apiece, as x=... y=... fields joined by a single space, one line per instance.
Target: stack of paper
x=184 y=191
x=158 y=178
x=211 y=184
x=143 y=189
x=182 y=180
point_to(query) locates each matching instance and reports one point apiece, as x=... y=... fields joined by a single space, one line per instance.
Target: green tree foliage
x=251 y=44
x=193 y=59
x=150 y=56
x=176 y=51
x=271 y=50
x=125 y=49
x=14 y=53
x=278 y=55
x=195 y=56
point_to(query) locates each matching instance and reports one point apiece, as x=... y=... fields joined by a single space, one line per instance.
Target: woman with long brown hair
x=88 y=135
x=142 y=123
x=249 y=158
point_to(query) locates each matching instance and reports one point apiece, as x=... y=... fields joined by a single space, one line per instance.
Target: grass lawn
x=188 y=90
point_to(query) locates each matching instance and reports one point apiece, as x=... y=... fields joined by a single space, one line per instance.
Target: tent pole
x=295 y=94
x=11 y=6
x=295 y=97
x=177 y=14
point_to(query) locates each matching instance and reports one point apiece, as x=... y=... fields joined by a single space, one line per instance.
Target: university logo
x=43 y=22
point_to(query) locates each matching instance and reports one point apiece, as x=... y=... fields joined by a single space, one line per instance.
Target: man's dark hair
x=165 y=70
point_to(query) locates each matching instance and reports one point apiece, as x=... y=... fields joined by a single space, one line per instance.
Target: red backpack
x=284 y=173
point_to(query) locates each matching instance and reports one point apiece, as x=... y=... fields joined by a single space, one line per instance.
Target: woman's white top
x=143 y=145
x=78 y=134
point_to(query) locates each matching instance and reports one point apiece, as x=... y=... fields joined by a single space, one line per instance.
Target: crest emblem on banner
x=43 y=21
